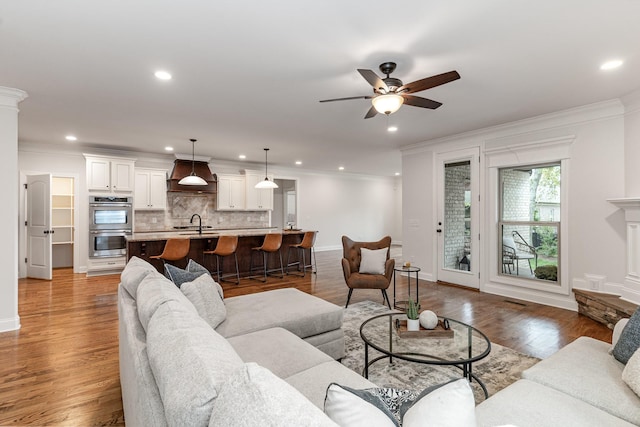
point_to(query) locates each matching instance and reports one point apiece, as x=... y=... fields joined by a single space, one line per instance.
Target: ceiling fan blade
x=429 y=82
x=372 y=112
x=417 y=101
x=374 y=80
x=346 y=99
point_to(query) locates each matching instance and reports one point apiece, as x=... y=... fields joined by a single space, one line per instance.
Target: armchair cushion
x=373 y=261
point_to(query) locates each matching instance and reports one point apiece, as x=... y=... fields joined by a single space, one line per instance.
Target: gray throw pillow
x=179 y=276
x=629 y=340
x=204 y=295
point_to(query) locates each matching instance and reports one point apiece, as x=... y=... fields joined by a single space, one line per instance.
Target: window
x=529 y=222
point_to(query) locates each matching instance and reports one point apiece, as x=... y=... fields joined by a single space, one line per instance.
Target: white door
x=457 y=227
x=39 y=226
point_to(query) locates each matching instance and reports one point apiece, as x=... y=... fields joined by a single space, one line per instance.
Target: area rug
x=502 y=367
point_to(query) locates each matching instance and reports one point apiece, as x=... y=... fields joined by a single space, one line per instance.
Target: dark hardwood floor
x=61 y=367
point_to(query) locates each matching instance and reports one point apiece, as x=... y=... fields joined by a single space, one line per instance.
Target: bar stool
x=307 y=244
x=174 y=250
x=272 y=243
x=226 y=246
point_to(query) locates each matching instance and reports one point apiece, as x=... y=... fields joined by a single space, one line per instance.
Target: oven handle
x=111 y=232
x=114 y=205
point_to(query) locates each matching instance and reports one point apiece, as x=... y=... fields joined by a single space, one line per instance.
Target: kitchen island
x=145 y=244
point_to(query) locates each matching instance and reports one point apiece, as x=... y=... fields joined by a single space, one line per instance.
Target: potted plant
x=413 y=318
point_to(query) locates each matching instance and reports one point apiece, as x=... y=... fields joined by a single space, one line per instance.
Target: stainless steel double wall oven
x=110 y=220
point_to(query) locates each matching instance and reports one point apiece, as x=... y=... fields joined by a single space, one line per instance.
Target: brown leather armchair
x=351 y=266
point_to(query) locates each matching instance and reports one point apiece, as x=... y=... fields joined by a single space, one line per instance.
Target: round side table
x=402 y=305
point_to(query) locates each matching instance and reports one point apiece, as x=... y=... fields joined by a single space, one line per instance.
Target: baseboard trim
x=7 y=325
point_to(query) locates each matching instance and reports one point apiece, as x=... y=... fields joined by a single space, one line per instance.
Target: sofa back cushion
x=253 y=396
x=189 y=361
x=155 y=290
x=133 y=273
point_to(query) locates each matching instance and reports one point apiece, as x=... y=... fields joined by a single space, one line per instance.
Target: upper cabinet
x=257 y=198
x=231 y=192
x=150 y=189
x=110 y=175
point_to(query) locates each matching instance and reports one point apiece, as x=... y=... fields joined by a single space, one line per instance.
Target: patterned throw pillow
x=631 y=373
x=451 y=404
x=179 y=276
x=629 y=340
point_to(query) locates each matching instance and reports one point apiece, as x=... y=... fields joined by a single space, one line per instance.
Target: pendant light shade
x=387 y=104
x=192 y=179
x=266 y=183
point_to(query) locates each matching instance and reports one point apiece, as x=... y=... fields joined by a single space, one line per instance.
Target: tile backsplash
x=181 y=206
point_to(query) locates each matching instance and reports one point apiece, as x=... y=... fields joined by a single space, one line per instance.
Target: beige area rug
x=500 y=368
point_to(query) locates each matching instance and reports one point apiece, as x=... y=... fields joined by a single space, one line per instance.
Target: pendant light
x=192 y=179
x=266 y=183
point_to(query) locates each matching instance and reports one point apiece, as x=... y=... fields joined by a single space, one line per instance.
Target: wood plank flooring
x=61 y=367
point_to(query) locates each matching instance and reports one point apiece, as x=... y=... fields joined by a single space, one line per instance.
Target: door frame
x=465 y=278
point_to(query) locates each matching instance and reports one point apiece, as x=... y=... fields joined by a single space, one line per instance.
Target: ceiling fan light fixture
x=387 y=104
x=266 y=183
x=192 y=179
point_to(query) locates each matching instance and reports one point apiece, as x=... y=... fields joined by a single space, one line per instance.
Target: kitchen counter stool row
x=263 y=260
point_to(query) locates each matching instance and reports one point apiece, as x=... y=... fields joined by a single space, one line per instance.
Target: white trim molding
x=631 y=289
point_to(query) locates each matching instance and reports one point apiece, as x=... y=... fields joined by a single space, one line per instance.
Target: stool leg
x=264 y=263
x=218 y=267
x=289 y=258
x=314 y=266
x=281 y=267
x=304 y=262
x=237 y=269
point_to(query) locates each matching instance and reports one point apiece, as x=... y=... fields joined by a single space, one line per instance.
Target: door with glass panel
x=457 y=223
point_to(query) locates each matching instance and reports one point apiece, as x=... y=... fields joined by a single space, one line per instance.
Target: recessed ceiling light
x=392 y=129
x=70 y=138
x=610 y=65
x=397 y=173
x=341 y=168
x=162 y=75
x=242 y=156
x=168 y=148
x=298 y=162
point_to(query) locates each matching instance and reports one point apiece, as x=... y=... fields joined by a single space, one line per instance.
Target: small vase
x=413 y=324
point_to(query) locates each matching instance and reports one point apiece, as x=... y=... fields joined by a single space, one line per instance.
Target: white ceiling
x=248 y=75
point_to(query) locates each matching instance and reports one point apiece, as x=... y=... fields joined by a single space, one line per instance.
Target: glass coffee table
x=460 y=347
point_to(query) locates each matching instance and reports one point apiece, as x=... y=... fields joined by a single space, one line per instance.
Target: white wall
x=596 y=230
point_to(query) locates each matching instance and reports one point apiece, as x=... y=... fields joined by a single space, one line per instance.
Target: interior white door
x=39 y=227
x=457 y=227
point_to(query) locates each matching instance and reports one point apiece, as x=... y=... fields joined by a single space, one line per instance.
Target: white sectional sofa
x=272 y=358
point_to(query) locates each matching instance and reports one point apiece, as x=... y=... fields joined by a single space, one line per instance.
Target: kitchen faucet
x=199 y=222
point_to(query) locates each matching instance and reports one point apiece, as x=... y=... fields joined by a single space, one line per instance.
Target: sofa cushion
x=133 y=273
x=529 y=404
x=155 y=290
x=585 y=370
x=206 y=296
x=313 y=382
x=629 y=340
x=631 y=373
x=278 y=350
x=190 y=361
x=372 y=260
x=291 y=309
x=253 y=396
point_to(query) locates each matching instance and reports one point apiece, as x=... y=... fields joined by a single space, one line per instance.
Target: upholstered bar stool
x=226 y=246
x=271 y=244
x=307 y=244
x=174 y=250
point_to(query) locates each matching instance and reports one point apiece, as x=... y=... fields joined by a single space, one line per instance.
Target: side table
x=402 y=305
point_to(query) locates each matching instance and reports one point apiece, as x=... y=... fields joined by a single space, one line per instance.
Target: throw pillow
x=204 y=295
x=369 y=407
x=631 y=373
x=254 y=397
x=179 y=276
x=372 y=261
x=629 y=340
x=451 y=404
x=617 y=330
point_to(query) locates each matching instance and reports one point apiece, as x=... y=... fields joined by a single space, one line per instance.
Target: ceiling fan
x=390 y=93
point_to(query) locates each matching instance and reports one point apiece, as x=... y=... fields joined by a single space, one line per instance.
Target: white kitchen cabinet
x=110 y=175
x=150 y=189
x=257 y=198
x=231 y=192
